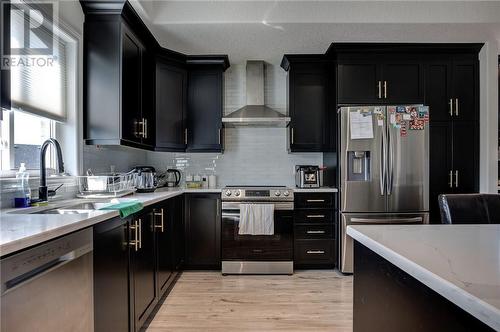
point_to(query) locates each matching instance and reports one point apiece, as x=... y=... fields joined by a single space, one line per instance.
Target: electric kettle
x=172 y=178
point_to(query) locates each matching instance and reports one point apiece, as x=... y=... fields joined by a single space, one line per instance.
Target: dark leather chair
x=469 y=208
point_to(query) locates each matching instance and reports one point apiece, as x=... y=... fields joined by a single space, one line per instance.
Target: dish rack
x=106 y=186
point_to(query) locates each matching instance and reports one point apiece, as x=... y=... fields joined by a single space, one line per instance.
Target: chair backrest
x=469 y=208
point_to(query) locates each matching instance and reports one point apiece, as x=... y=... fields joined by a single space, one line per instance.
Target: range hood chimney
x=255 y=113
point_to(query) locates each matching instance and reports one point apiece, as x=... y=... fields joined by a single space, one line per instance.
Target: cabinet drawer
x=314 y=252
x=314 y=200
x=314 y=231
x=313 y=216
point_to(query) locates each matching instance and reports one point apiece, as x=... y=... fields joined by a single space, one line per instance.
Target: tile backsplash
x=252 y=156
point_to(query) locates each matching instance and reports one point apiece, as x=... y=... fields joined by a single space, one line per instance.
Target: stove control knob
x=286 y=193
x=237 y=193
x=228 y=192
x=277 y=193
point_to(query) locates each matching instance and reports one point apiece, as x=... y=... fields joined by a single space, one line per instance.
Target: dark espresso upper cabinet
x=140 y=94
x=171 y=101
x=118 y=78
x=358 y=82
x=309 y=101
x=205 y=106
x=379 y=80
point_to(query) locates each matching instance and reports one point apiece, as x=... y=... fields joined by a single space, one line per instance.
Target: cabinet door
x=203 y=231
x=131 y=87
x=148 y=98
x=438 y=90
x=111 y=276
x=204 y=115
x=176 y=216
x=308 y=107
x=163 y=246
x=465 y=157
x=358 y=83
x=403 y=82
x=143 y=268
x=170 y=107
x=440 y=165
x=465 y=91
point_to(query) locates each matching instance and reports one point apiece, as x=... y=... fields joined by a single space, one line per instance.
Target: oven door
x=277 y=247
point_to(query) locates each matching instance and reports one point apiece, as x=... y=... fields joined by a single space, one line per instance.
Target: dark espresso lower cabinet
x=203 y=231
x=142 y=267
x=136 y=260
x=111 y=300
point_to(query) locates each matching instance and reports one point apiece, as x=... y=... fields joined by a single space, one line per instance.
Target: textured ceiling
x=268 y=29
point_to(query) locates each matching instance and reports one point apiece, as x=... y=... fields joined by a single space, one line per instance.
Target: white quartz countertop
x=315 y=190
x=460 y=262
x=21 y=230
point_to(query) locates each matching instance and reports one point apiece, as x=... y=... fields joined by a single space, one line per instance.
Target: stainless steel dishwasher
x=49 y=287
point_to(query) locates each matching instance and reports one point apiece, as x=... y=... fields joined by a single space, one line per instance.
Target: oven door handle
x=230 y=215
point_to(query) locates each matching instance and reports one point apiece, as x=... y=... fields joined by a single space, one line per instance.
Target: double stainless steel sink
x=67 y=208
x=73 y=209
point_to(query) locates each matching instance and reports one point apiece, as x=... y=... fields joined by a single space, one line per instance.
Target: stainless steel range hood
x=255 y=113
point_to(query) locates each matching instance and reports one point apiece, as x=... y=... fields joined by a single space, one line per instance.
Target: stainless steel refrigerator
x=384 y=169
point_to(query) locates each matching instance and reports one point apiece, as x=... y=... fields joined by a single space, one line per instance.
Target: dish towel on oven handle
x=256 y=219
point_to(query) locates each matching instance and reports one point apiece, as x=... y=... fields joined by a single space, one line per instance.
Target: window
x=44 y=100
x=21 y=136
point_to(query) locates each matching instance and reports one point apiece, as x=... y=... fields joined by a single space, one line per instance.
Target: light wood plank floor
x=306 y=301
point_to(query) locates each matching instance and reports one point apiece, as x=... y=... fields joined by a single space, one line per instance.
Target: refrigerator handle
x=390 y=167
x=383 y=162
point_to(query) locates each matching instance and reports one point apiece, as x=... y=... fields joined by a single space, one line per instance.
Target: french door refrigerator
x=384 y=169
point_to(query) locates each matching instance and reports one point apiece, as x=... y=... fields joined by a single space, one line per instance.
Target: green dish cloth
x=125 y=208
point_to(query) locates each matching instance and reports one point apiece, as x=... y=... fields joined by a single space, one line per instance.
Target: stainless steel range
x=257 y=254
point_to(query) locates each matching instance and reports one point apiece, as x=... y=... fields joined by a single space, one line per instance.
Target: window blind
x=38 y=82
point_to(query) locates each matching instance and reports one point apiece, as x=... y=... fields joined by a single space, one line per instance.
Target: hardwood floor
x=306 y=301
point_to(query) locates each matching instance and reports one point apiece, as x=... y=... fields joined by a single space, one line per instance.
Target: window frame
x=70 y=132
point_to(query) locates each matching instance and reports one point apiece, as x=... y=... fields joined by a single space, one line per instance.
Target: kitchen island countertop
x=459 y=262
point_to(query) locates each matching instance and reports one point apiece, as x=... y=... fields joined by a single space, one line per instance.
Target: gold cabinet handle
x=160 y=214
x=456 y=179
x=315 y=216
x=451 y=106
x=186 y=136
x=219 y=136
x=379 y=85
x=135 y=243
x=145 y=121
x=140 y=233
x=385 y=89
x=315 y=201
x=292 y=135
x=456 y=106
x=139 y=124
x=450 y=183
x=315 y=252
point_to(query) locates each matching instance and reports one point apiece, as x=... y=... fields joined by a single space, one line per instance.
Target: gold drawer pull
x=315 y=200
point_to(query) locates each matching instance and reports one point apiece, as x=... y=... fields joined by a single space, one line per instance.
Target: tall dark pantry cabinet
x=452 y=93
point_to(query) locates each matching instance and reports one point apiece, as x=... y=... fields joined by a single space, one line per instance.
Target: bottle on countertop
x=22 y=197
